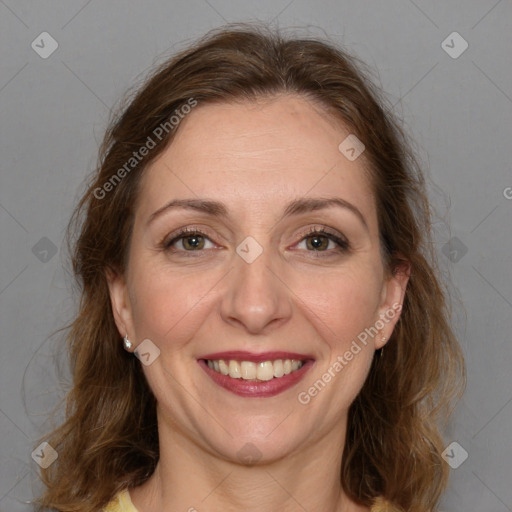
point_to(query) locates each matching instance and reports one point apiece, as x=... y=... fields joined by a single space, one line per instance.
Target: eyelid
x=324 y=230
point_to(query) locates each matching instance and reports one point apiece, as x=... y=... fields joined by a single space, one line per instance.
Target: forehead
x=255 y=155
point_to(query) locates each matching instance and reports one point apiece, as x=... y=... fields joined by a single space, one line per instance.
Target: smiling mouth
x=255 y=371
x=256 y=375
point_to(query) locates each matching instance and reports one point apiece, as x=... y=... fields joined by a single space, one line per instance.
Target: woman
x=261 y=323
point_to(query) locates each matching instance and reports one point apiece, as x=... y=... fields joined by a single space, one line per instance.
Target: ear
x=392 y=299
x=121 y=305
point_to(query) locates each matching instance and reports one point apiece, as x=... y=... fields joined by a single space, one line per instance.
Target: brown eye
x=193 y=242
x=317 y=242
x=188 y=241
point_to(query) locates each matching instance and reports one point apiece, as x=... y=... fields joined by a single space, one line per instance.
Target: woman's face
x=251 y=284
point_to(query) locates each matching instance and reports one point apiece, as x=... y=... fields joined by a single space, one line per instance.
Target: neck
x=189 y=478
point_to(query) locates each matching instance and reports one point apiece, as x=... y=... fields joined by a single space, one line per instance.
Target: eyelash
x=342 y=243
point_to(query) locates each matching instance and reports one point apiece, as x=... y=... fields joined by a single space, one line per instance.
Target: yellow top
x=123 y=503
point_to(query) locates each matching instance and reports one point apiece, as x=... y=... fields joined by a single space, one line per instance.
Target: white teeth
x=248 y=370
x=278 y=368
x=223 y=367
x=265 y=370
x=234 y=370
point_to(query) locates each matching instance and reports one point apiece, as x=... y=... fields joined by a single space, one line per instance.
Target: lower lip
x=257 y=389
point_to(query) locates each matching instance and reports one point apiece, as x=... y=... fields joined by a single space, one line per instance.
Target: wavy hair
x=393 y=446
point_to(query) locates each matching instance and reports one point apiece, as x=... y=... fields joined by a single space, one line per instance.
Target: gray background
x=53 y=113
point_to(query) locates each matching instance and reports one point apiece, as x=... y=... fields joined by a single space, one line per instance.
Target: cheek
x=340 y=310
x=342 y=304
x=167 y=305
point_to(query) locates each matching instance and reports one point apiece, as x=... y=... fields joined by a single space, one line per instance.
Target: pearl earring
x=127 y=343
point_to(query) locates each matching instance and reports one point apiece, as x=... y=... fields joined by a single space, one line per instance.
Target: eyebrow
x=295 y=207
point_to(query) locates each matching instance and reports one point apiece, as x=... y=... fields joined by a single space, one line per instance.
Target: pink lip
x=254 y=388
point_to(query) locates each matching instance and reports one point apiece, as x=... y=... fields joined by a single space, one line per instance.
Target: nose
x=256 y=298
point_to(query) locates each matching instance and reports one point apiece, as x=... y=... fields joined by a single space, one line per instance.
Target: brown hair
x=393 y=447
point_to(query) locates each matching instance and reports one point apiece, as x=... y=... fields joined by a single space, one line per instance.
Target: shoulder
x=121 y=503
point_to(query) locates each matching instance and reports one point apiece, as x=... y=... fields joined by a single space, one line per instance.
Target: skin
x=255 y=157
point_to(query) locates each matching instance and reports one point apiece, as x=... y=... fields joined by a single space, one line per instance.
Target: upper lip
x=241 y=355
